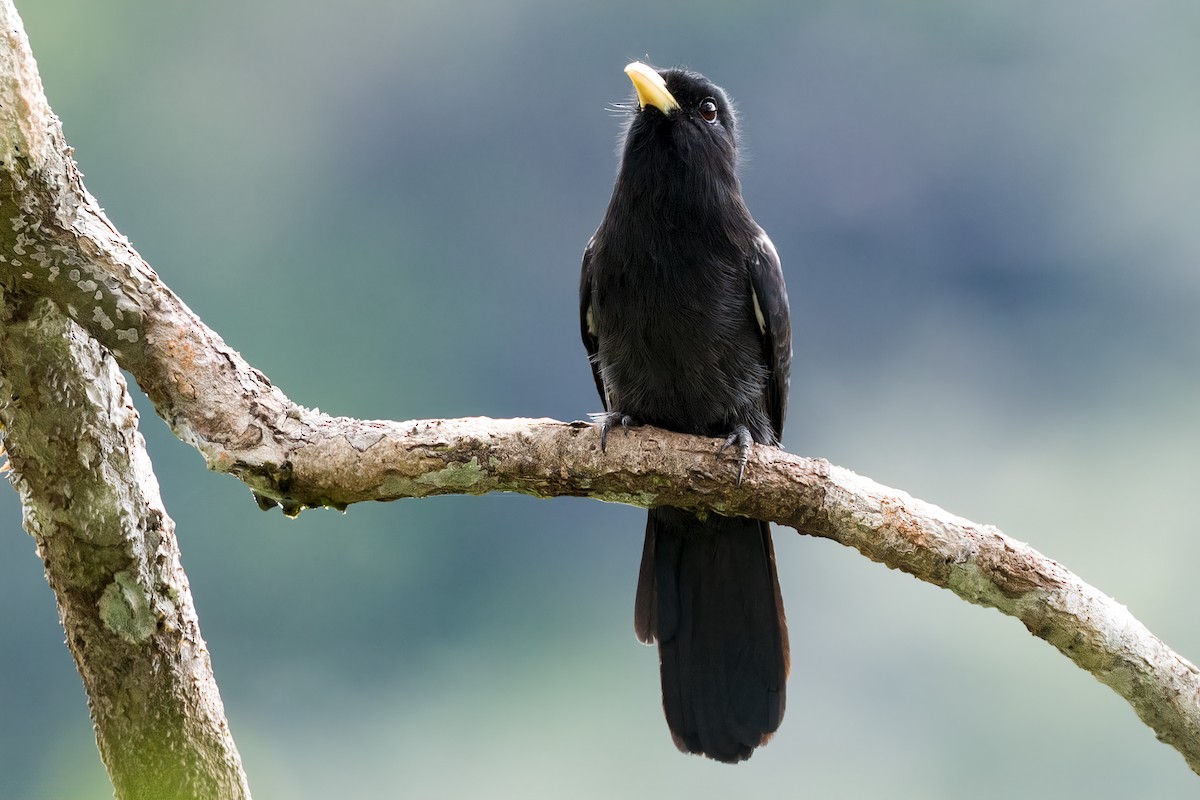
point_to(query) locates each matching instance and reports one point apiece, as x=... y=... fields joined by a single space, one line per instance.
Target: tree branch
x=91 y=502
x=63 y=248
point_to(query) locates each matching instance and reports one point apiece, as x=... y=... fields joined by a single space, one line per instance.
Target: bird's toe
x=610 y=419
x=740 y=436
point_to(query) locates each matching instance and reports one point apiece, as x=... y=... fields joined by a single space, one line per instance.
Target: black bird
x=685 y=318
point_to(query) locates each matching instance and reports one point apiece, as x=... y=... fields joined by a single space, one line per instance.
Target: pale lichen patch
x=641 y=499
x=102 y=318
x=1121 y=678
x=363 y=439
x=125 y=609
x=972 y=584
x=455 y=476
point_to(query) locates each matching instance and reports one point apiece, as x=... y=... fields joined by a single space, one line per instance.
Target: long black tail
x=709 y=595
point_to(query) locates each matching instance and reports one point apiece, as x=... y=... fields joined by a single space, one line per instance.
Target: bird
x=684 y=315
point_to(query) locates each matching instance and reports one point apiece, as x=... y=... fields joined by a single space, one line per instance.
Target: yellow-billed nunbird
x=684 y=315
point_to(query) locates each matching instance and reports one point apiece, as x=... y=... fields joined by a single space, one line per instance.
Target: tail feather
x=709 y=595
x=645 y=605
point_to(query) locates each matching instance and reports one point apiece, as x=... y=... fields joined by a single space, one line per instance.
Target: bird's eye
x=708 y=109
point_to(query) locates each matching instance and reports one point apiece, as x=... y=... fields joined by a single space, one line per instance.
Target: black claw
x=741 y=437
x=607 y=420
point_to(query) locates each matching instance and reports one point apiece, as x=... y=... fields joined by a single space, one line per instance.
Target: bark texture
x=56 y=244
x=91 y=503
x=88 y=491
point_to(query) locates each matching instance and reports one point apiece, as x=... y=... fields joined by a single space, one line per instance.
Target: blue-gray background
x=987 y=217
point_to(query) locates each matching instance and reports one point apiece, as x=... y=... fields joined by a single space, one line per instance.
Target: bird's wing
x=587 y=325
x=771 y=312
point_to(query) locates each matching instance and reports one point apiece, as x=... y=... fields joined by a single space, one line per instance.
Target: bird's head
x=681 y=131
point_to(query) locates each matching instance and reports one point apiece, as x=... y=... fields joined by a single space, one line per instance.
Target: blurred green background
x=987 y=218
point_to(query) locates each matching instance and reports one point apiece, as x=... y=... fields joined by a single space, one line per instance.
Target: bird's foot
x=609 y=419
x=740 y=437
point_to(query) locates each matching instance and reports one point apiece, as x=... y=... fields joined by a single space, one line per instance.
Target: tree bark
x=59 y=246
x=91 y=502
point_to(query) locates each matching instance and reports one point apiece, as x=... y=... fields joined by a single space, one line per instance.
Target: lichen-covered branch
x=91 y=503
x=91 y=500
x=55 y=243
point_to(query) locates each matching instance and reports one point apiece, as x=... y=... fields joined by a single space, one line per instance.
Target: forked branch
x=57 y=244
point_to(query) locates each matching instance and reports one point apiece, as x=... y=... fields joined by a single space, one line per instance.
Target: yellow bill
x=651 y=88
